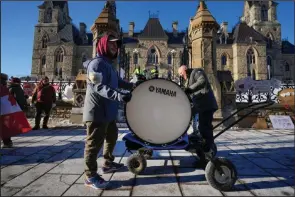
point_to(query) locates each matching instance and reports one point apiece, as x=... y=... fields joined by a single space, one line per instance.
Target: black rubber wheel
x=136 y=163
x=224 y=181
x=147 y=153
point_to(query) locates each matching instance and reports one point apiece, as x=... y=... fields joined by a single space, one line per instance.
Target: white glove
x=53 y=105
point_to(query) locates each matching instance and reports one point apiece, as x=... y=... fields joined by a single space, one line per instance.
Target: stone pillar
x=79 y=91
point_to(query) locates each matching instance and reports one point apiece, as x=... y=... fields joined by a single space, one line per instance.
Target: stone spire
x=105 y=22
x=203 y=17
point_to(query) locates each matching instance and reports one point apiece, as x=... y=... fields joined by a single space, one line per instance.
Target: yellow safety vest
x=136 y=71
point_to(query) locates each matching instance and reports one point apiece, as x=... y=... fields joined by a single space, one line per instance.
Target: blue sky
x=19 y=18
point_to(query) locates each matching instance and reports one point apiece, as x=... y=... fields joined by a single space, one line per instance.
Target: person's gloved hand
x=187 y=91
x=53 y=105
x=126 y=97
x=32 y=104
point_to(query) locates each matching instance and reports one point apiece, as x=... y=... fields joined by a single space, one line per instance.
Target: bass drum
x=159 y=112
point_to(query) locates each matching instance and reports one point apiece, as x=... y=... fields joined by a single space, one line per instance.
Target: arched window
x=48 y=16
x=223 y=60
x=60 y=72
x=43 y=60
x=287 y=67
x=56 y=71
x=269 y=41
x=44 y=41
x=269 y=67
x=59 y=55
x=43 y=65
x=153 y=56
x=169 y=58
x=264 y=13
x=250 y=57
x=135 y=58
x=250 y=62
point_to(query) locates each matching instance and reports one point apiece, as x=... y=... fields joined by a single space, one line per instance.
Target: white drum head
x=159 y=112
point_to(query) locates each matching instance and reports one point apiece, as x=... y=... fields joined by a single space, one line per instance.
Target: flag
x=13 y=120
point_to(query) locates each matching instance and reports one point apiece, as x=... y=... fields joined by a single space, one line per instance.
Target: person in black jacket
x=16 y=90
x=204 y=103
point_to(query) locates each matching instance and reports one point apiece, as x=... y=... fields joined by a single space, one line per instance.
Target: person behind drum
x=101 y=109
x=198 y=87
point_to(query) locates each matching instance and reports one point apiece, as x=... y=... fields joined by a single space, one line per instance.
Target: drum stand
x=220 y=172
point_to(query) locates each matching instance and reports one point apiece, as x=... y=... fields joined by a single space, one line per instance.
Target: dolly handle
x=244 y=116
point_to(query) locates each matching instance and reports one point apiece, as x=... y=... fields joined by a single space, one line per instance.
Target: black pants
x=206 y=127
x=7 y=141
x=42 y=107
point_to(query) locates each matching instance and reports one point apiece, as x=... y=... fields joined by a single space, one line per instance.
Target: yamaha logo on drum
x=163 y=91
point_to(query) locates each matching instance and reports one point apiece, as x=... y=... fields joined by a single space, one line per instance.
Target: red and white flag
x=13 y=120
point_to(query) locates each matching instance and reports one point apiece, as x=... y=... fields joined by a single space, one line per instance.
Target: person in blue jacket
x=101 y=108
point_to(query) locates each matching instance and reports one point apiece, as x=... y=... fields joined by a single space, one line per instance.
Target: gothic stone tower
x=202 y=32
x=51 y=53
x=262 y=16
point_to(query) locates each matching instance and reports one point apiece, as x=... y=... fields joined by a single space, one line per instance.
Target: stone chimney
x=82 y=28
x=131 y=29
x=175 y=28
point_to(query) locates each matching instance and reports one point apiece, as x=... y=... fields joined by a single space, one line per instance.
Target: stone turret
x=202 y=32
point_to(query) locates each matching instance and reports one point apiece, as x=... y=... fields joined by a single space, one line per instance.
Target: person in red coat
x=44 y=98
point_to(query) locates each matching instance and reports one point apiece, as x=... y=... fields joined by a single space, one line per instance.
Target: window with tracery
x=59 y=55
x=153 y=56
x=264 y=13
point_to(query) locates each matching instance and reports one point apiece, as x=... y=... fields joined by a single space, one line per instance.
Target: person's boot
x=209 y=150
x=7 y=143
x=45 y=127
x=36 y=127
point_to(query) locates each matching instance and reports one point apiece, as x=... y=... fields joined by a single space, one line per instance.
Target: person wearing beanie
x=198 y=87
x=101 y=108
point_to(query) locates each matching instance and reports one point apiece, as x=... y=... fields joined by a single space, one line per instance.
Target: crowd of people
x=43 y=99
x=102 y=101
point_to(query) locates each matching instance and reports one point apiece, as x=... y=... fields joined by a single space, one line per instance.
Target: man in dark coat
x=204 y=103
x=16 y=90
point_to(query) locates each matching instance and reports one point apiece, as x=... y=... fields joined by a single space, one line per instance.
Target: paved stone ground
x=51 y=163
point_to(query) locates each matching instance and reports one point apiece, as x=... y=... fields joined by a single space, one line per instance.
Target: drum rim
x=166 y=144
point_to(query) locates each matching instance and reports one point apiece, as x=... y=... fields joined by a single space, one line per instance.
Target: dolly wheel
x=222 y=181
x=147 y=153
x=136 y=163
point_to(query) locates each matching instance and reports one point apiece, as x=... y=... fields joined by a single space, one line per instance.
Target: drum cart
x=220 y=172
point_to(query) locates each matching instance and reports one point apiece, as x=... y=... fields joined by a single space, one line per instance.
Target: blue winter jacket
x=102 y=97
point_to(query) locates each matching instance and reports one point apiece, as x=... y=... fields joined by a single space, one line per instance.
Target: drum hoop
x=165 y=144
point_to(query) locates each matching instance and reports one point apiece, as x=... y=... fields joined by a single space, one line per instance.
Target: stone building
x=253 y=48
